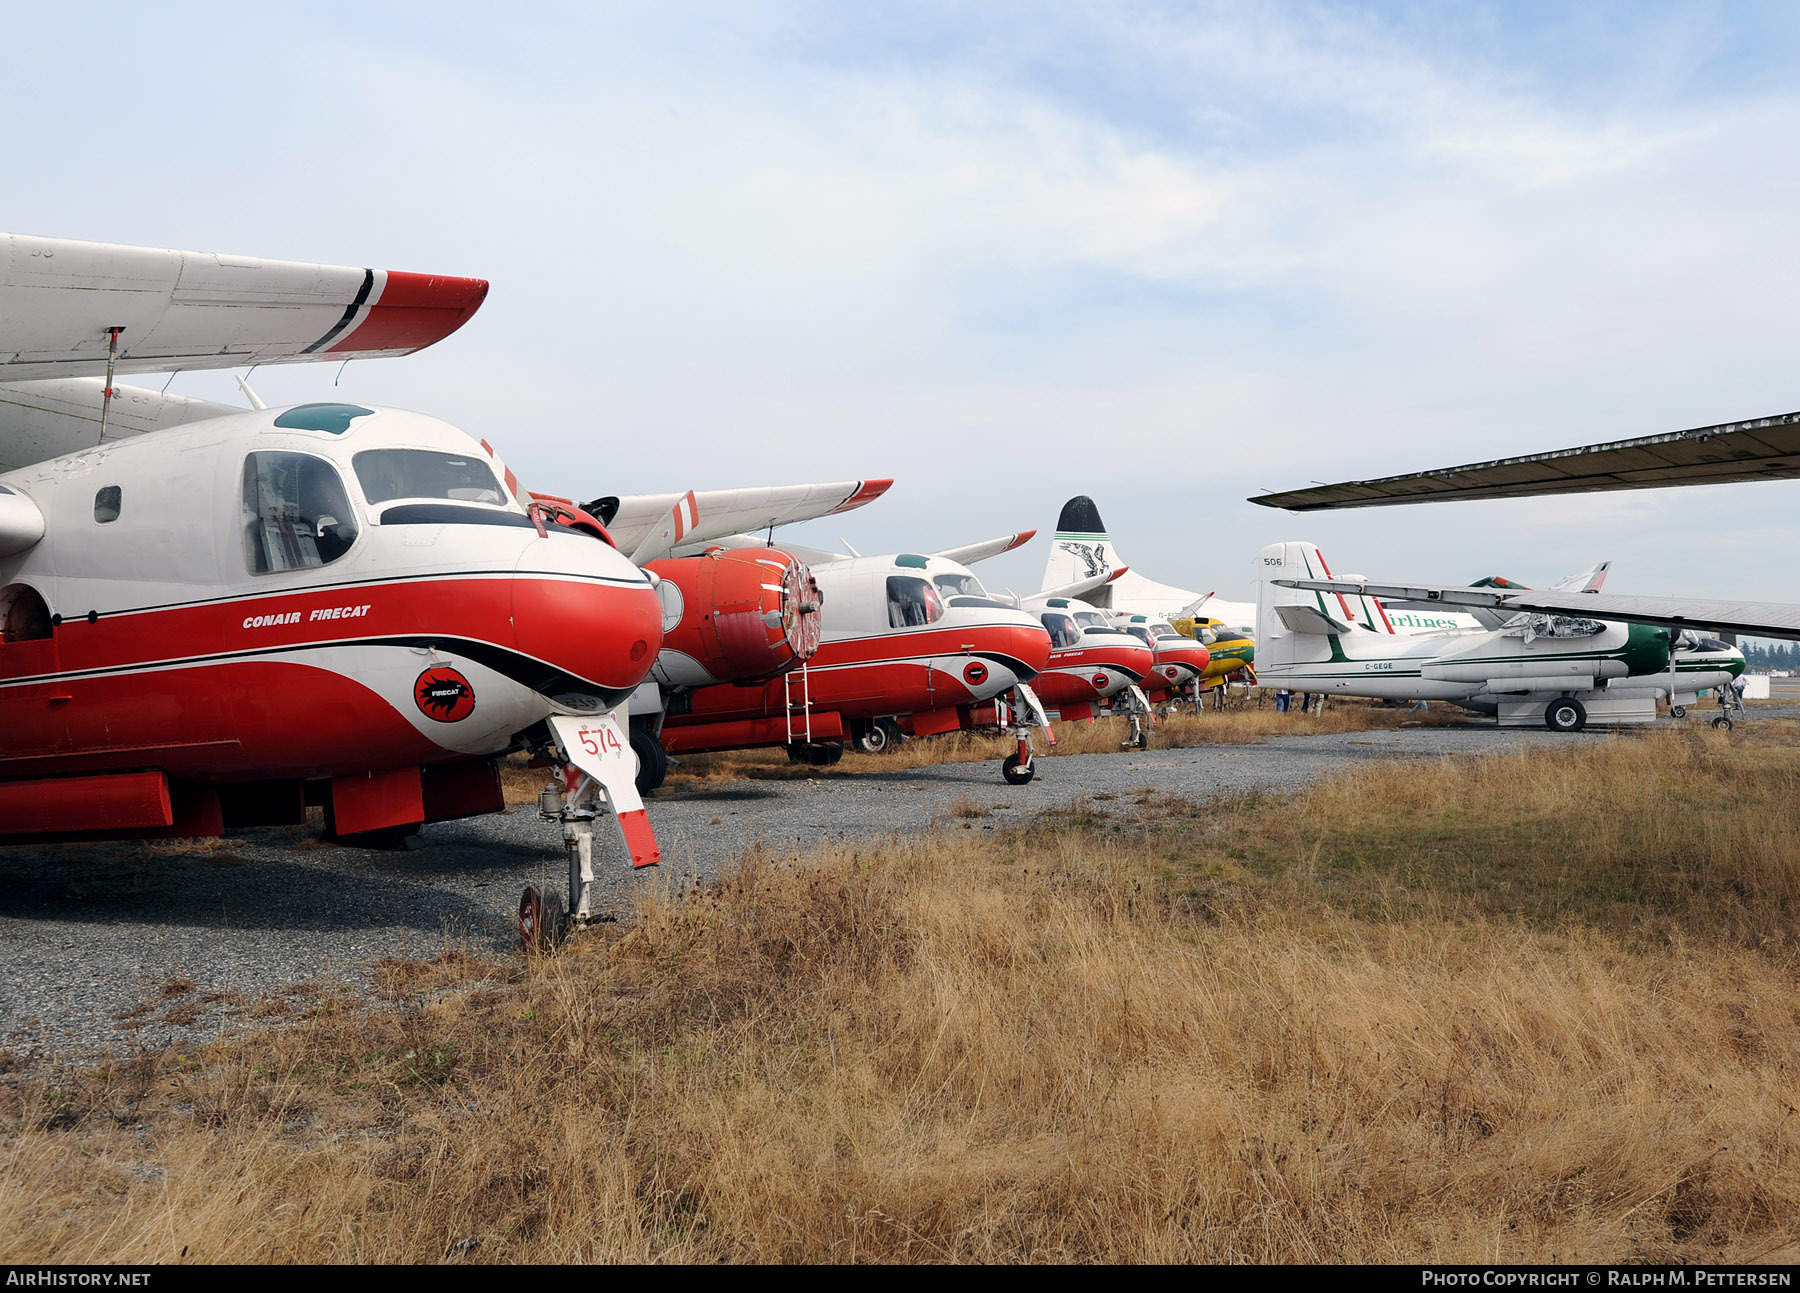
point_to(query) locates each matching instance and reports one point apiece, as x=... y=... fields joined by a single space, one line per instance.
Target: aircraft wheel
x=873 y=739
x=1143 y=740
x=531 y=920
x=653 y=760
x=556 y=921
x=1722 y=721
x=1565 y=715
x=1678 y=711
x=1014 y=774
x=829 y=753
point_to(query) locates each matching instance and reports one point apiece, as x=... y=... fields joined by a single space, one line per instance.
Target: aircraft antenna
x=249 y=394
x=106 y=394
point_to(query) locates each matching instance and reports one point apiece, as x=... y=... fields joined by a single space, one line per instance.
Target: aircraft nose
x=587 y=614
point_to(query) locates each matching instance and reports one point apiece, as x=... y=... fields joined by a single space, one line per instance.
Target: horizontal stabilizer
x=1081 y=587
x=1304 y=619
x=1763 y=619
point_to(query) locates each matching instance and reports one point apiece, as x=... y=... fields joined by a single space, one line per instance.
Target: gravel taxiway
x=108 y=946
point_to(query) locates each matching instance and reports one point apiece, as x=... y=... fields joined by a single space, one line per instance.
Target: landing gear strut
x=1027 y=712
x=595 y=773
x=1138 y=709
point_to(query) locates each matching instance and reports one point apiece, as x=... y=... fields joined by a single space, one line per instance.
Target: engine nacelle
x=734 y=615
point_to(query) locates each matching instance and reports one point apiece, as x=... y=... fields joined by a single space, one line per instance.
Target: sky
x=1166 y=255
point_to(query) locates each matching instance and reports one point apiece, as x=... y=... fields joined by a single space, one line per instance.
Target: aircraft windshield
x=1090 y=619
x=1063 y=631
x=423 y=473
x=1139 y=632
x=912 y=603
x=960 y=586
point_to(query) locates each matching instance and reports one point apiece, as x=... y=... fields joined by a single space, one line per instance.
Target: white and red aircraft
x=243 y=613
x=908 y=640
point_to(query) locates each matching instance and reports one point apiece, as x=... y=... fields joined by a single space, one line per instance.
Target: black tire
x=1678 y=711
x=1722 y=721
x=1014 y=774
x=892 y=727
x=829 y=753
x=873 y=739
x=531 y=920
x=1565 y=714
x=556 y=921
x=1143 y=738
x=653 y=760
x=820 y=754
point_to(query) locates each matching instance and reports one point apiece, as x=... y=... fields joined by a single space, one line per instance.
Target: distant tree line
x=1762 y=655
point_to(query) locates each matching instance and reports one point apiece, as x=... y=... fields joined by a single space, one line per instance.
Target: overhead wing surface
x=969 y=553
x=1759 y=449
x=1762 y=619
x=40 y=420
x=718 y=513
x=185 y=309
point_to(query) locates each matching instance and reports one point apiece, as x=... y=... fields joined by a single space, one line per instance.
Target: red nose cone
x=601 y=634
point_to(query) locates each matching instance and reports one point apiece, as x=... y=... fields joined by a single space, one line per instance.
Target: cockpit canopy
x=387 y=474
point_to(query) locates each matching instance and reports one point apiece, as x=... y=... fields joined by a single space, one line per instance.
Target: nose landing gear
x=597 y=774
x=1027 y=712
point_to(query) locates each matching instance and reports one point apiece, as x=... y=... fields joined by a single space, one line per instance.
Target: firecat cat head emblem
x=444 y=694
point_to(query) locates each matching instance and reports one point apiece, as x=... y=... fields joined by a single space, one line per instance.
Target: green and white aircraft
x=1317 y=633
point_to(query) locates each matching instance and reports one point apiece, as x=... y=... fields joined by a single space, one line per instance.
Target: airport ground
x=1329 y=997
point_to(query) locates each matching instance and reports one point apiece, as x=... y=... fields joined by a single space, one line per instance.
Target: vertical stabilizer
x=1080 y=550
x=1276 y=643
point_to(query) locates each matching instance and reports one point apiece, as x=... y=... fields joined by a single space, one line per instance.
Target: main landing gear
x=1565 y=714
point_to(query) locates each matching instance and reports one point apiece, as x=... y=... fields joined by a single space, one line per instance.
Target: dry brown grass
x=1465 y=1010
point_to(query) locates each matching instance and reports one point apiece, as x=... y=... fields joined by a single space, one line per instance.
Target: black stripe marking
x=349 y=314
x=526 y=670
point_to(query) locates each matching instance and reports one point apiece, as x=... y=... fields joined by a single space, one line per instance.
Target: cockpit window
x=912 y=602
x=1712 y=644
x=1139 y=632
x=296 y=513
x=1063 y=630
x=425 y=473
x=1090 y=619
x=960 y=586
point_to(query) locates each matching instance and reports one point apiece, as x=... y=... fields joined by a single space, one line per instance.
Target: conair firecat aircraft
x=906 y=637
x=1558 y=666
x=213 y=618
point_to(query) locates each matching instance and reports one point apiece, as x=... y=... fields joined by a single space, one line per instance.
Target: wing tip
x=867 y=491
x=414 y=311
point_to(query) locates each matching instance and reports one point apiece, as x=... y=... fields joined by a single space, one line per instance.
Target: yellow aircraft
x=1232 y=649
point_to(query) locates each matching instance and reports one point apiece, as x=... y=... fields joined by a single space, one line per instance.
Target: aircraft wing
x=970 y=553
x=1760 y=619
x=1759 y=449
x=40 y=420
x=186 y=309
x=709 y=514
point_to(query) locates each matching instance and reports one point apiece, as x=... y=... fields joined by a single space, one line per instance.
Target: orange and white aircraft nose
x=588 y=616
